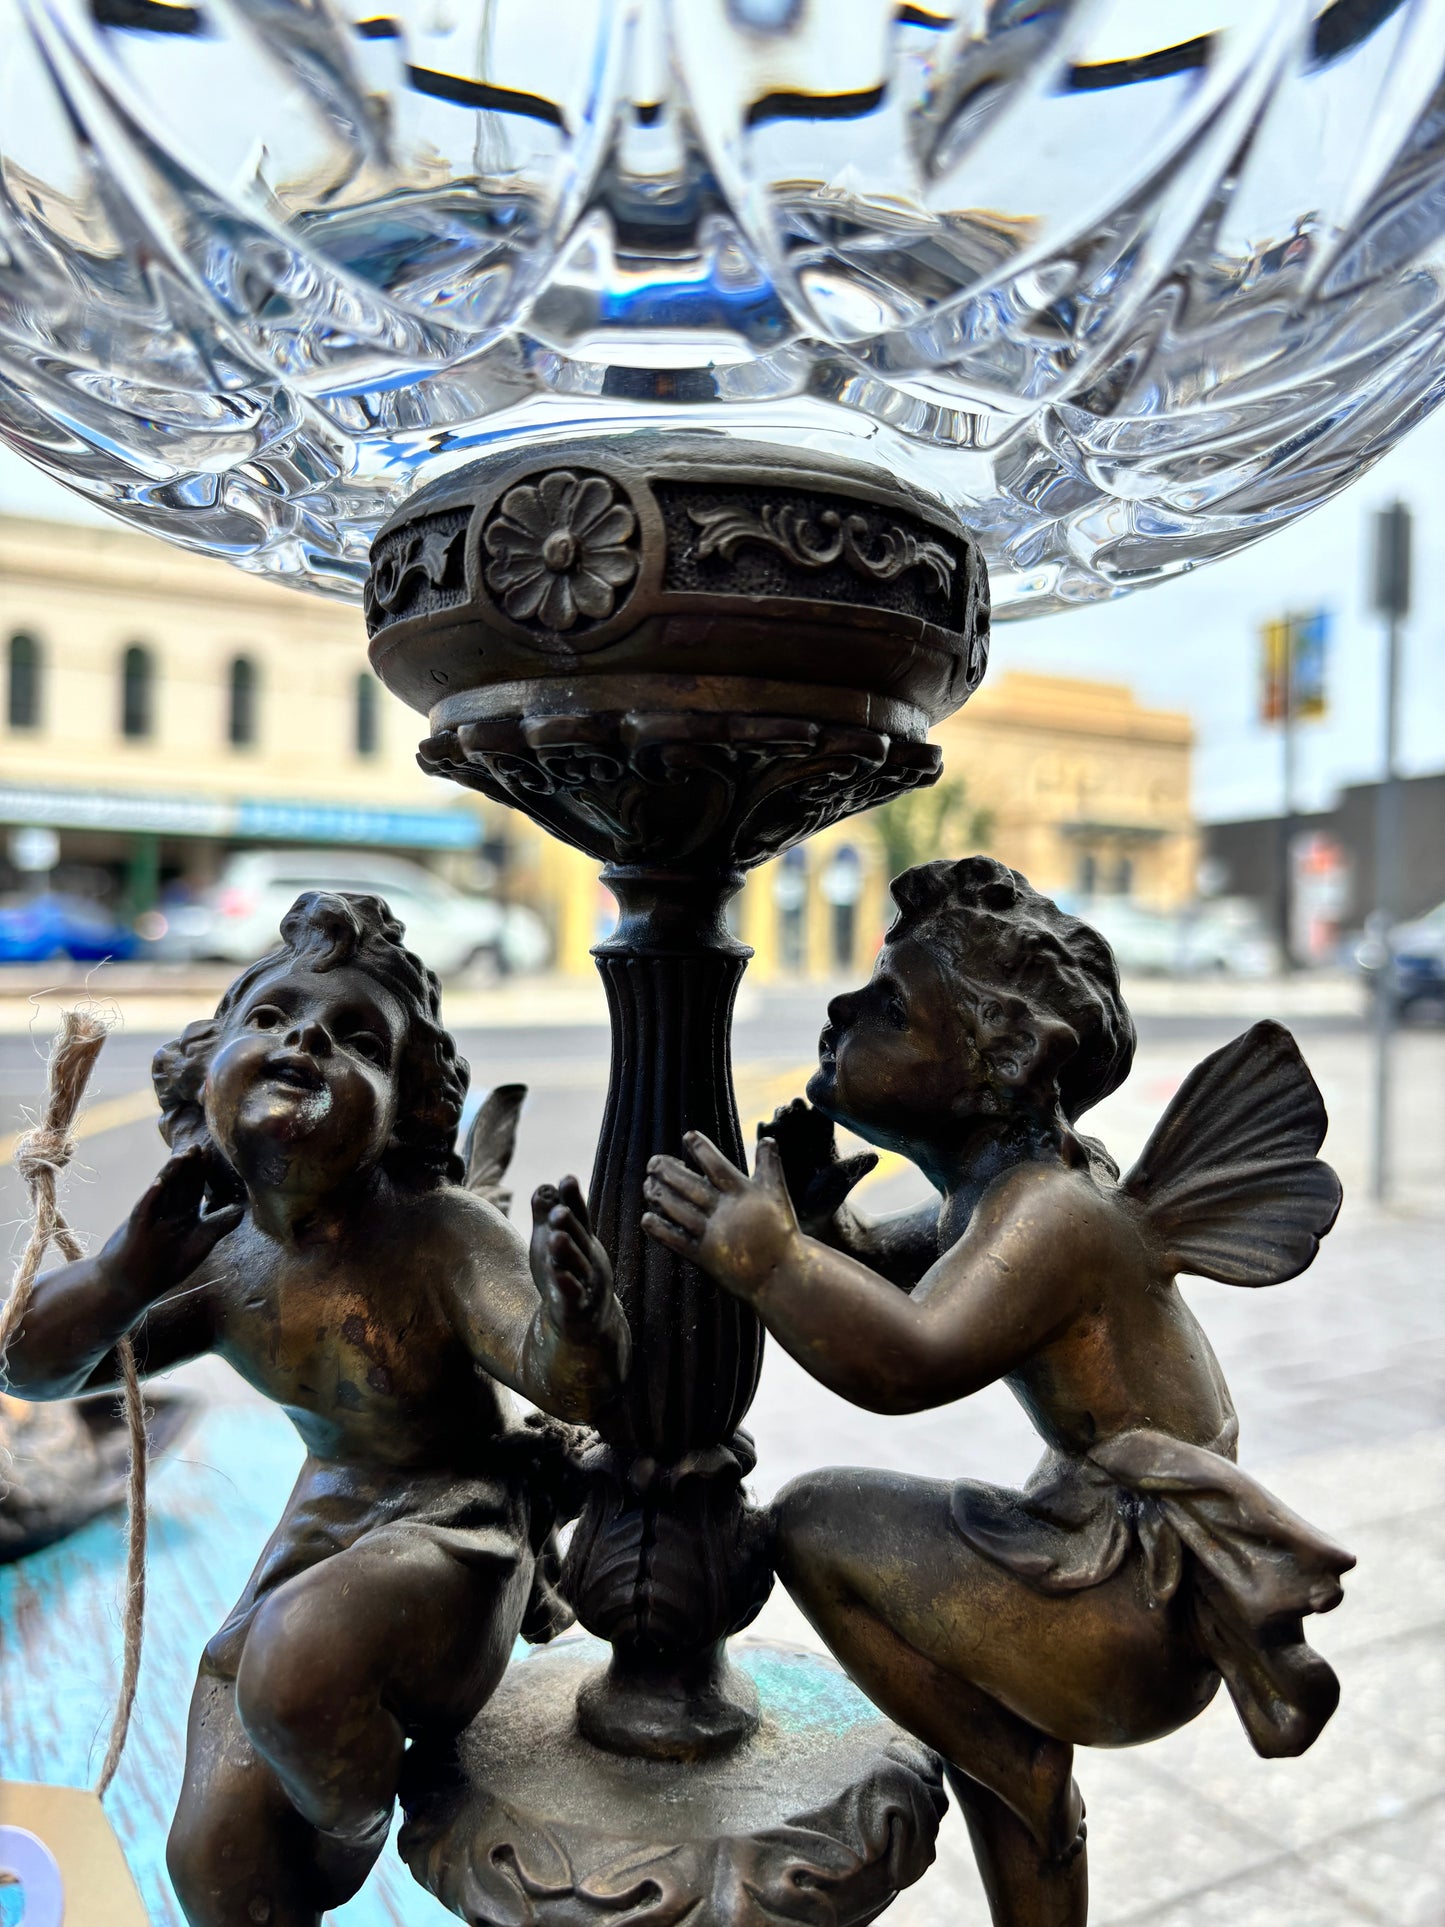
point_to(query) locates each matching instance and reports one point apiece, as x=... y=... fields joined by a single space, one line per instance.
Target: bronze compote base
x=681 y=654
x=822 y=1814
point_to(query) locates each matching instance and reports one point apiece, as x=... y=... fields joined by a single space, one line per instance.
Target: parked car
x=1224 y=936
x=56 y=924
x=242 y=912
x=1227 y=936
x=1417 y=960
x=1419 y=949
x=1144 y=943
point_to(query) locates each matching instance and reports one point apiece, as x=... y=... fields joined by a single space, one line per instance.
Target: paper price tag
x=60 y=1862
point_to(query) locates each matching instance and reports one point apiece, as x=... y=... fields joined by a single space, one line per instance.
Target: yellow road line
x=109 y=1115
x=760 y=1096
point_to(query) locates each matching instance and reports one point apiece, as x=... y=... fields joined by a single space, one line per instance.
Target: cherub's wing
x=1230 y=1183
x=491 y=1142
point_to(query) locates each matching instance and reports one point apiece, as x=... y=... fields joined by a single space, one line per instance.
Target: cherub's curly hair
x=991 y=922
x=322 y=930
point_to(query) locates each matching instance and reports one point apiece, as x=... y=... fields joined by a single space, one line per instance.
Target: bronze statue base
x=822 y=1816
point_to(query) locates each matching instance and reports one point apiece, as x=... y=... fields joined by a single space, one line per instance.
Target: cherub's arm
x=148 y=1281
x=900 y=1247
x=1009 y=1285
x=544 y=1319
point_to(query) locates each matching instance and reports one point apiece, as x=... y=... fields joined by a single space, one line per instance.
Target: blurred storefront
x=1335 y=849
x=162 y=710
x=1076 y=783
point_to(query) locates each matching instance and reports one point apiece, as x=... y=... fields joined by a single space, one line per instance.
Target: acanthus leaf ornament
x=728 y=791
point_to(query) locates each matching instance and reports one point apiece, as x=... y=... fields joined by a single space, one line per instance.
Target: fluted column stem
x=666 y=1559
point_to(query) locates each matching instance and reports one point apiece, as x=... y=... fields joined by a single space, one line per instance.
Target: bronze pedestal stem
x=682 y=656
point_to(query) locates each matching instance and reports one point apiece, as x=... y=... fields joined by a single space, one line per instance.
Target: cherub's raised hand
x=818 y=1179
x=580 y=1337
x=738 y=1229
x=169 y=1232
x=570 y=1269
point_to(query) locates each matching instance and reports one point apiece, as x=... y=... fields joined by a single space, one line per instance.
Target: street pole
x=1286 y=821
x=1392 y=601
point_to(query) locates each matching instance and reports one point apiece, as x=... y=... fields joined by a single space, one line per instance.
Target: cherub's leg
x=1024 y=1889
x=348 y=1658
x=1034 y=1874
x=1000 y=1678
x=239 y=1852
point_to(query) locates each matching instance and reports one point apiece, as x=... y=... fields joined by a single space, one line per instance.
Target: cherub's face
x=898 y=1060
x=302 y=1091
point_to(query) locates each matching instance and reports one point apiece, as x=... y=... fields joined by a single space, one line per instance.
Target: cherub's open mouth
x=301 y=1073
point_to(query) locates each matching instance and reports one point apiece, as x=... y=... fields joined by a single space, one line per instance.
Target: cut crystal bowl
x=1124 y=285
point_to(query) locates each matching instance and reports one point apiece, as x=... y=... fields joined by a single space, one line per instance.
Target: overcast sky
x=1192 y=644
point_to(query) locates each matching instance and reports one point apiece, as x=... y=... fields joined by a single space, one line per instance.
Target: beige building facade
x=161 y=709
x=1087 y=788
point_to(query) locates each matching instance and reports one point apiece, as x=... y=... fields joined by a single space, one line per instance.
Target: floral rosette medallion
x=561 y=550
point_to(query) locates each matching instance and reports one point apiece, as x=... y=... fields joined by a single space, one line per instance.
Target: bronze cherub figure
x=1102 y=1604
x=310 y=1228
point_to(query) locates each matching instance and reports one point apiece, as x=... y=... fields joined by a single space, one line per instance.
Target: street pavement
x=1337 y=1377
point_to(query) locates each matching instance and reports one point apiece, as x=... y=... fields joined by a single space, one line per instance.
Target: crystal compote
x=1125 y=285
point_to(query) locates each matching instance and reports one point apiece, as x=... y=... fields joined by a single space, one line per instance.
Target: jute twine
x=41 y=1155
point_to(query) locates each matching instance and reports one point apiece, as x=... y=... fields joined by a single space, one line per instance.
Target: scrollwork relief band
x=832 y=538
x=410 y=561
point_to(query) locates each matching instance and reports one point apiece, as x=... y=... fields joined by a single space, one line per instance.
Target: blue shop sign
x=342 y=823
x=264 y=821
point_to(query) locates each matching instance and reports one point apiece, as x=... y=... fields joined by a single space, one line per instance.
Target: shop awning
x=260 y=819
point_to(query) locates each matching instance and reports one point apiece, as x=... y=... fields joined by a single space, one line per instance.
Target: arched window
x=241 y=722
x=790 y=894
x=842 y=887
x=137 y=692
x=22 y=704
x=368 y=729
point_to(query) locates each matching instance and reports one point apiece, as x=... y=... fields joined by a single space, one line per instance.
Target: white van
x=447 y=929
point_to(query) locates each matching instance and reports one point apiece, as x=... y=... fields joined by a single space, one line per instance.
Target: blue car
x=1419 y=960
x=37 y=929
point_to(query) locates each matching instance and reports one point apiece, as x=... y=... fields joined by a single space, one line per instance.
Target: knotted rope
x=40 y=1157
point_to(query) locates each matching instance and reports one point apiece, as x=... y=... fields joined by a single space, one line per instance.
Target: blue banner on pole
x=1311 y=637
